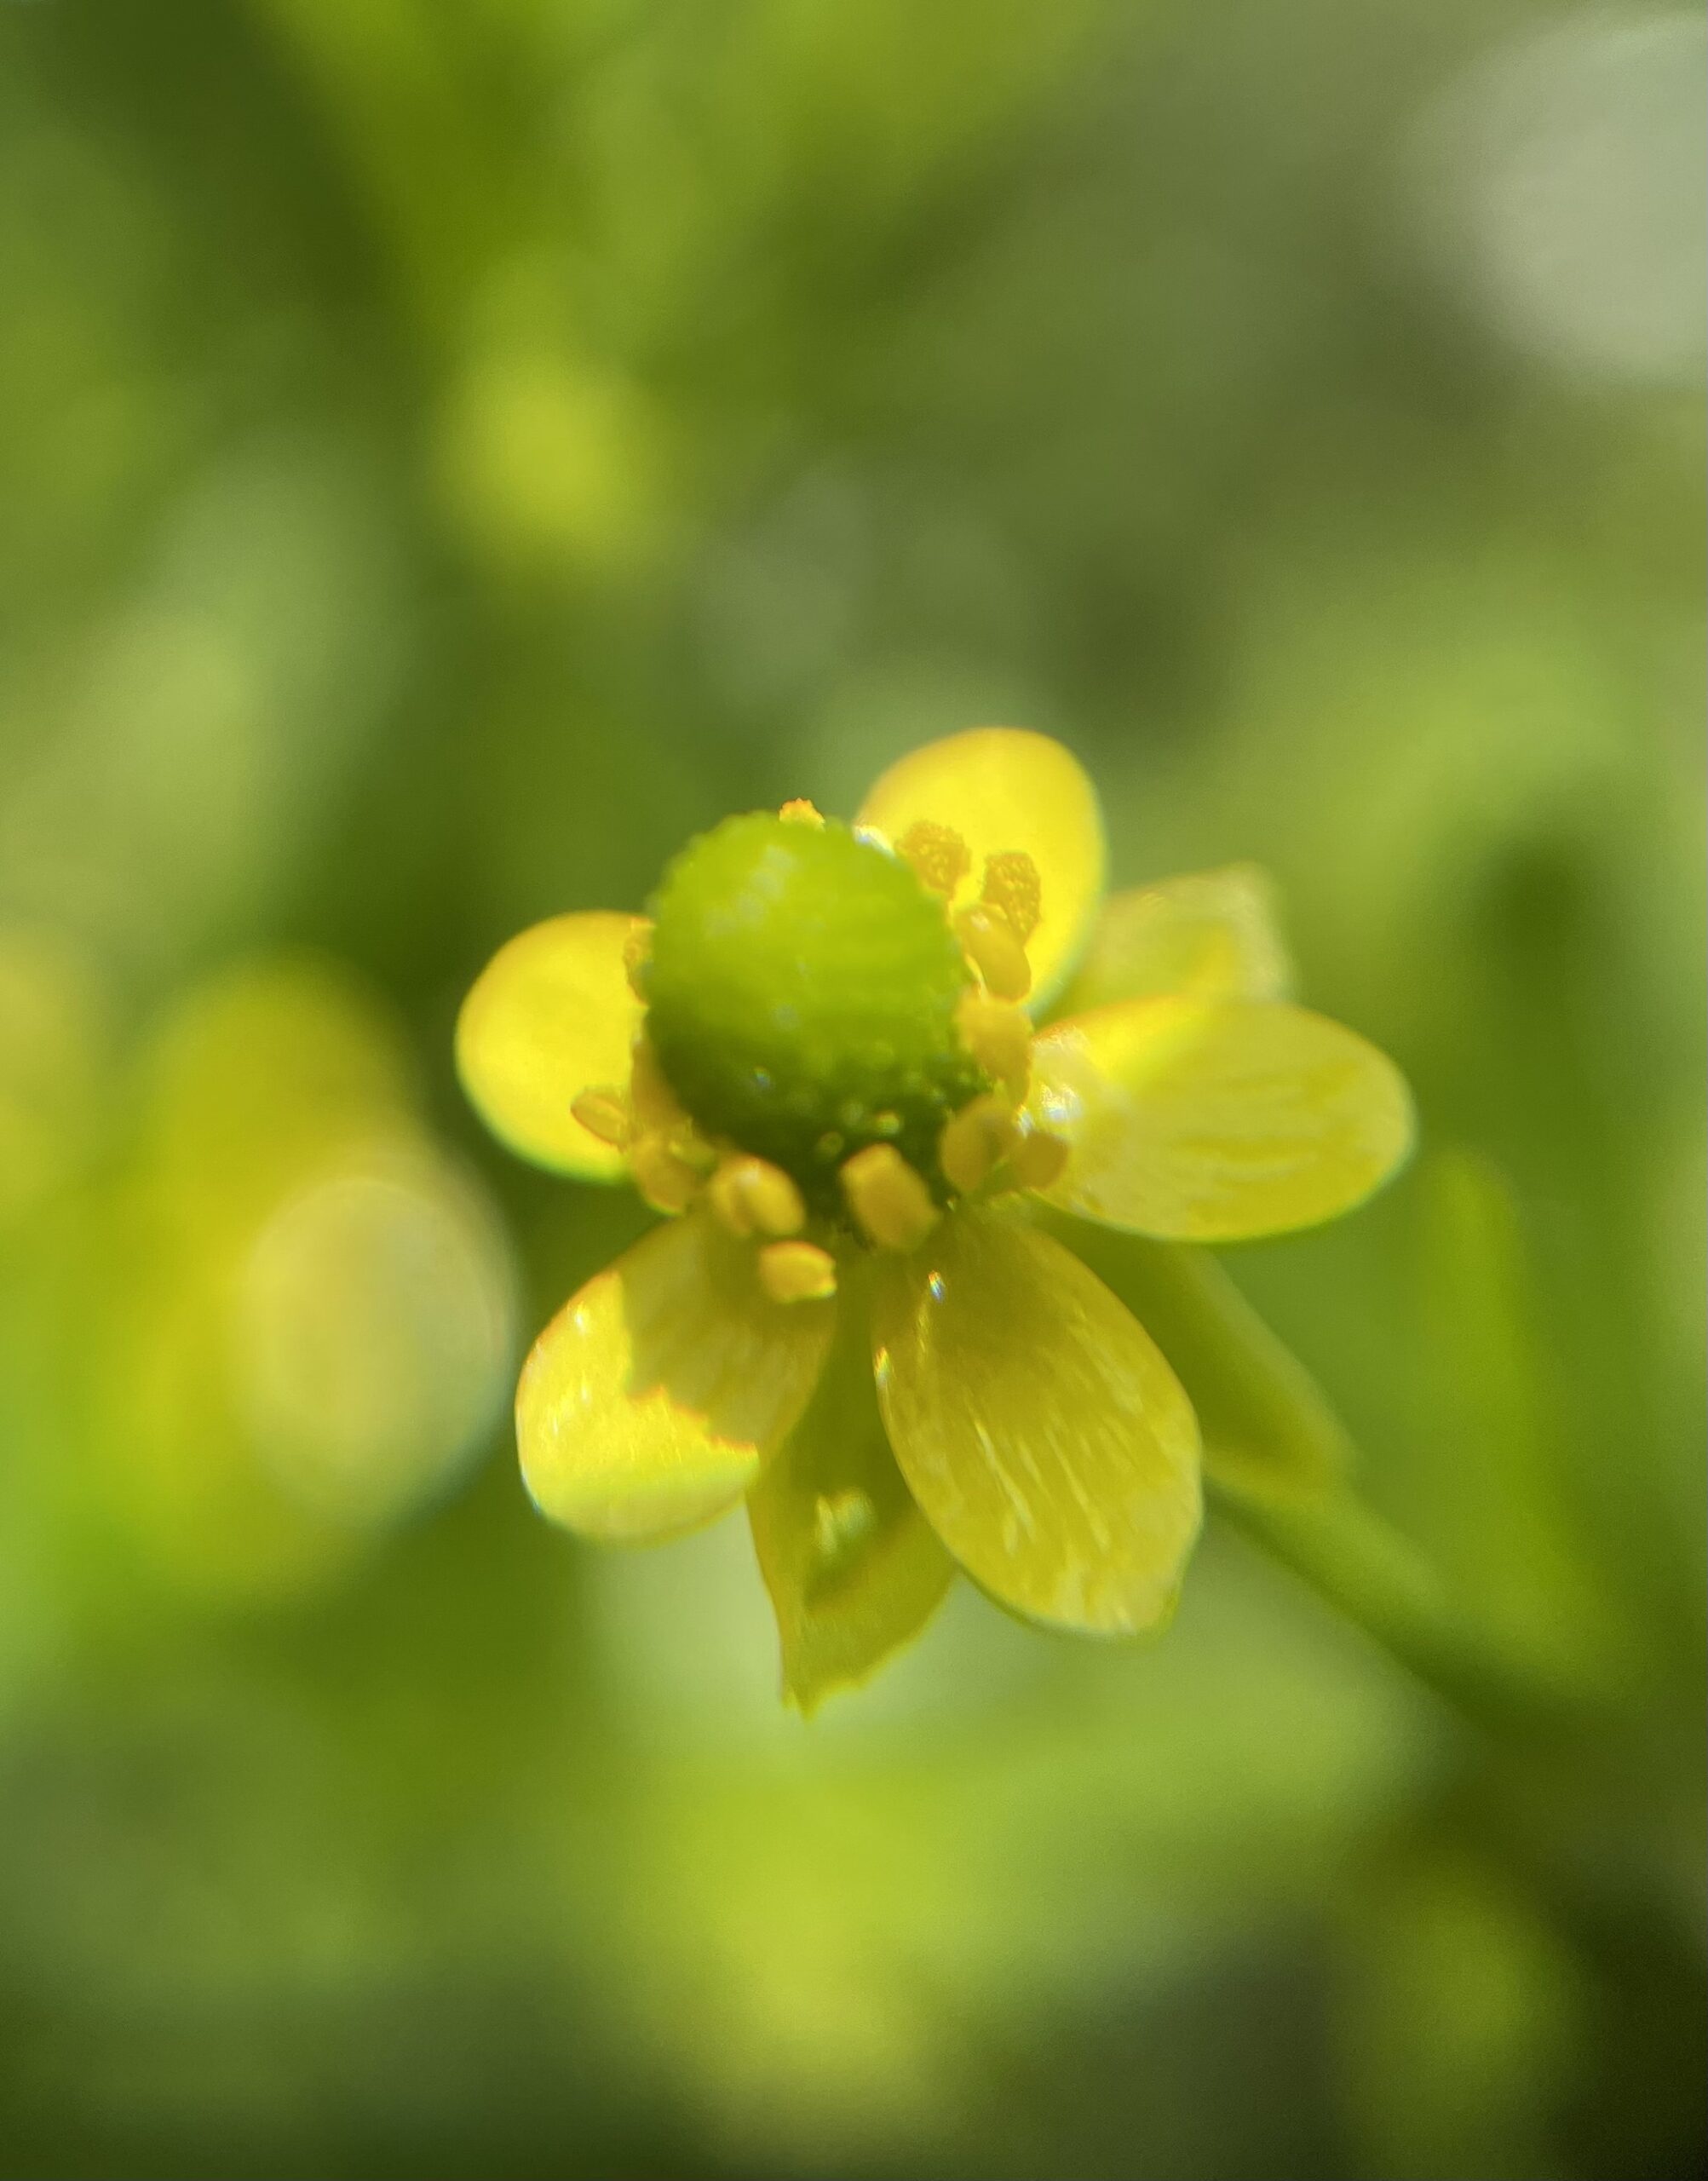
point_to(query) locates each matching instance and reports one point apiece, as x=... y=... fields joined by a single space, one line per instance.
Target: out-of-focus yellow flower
x=820 y=1054
x=305 y=1311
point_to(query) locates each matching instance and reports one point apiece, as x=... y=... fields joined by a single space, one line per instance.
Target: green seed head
x=802 y=996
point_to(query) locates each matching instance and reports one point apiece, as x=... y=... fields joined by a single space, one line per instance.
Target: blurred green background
x=450 y=454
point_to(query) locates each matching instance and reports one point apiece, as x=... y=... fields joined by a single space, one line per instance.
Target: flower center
x=801 y=998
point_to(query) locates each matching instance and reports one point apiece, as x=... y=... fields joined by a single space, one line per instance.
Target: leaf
x=1487 y=1496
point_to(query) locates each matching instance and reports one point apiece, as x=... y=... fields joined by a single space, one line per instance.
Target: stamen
x=976 y=1141
x=1013 y=886
x=998 y=1037
x=940 y=857
x=604 y=1114
x=796 y=1272
x=751 y=1196
x=891 y=1205
x=992 y=948
x=667 y=1180
x=1038 y=1160
x=656 y=1105
x=637 y=952
x=802 y=812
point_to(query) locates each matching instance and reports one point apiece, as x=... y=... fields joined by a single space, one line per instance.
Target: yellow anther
x=692 y=1149
x=751 y=1196
x=891 y=1205
x=667 y=1181
x=1038 y=1160
x=1013 y=886
x=637 y=952
x=604 y=1114
x=725 y=1195
x=940 y=857
x=976 y=1141
x=998 y=1036
x=656 y=1105
x=796 y=1272
x=802 y=812
x=988 y=940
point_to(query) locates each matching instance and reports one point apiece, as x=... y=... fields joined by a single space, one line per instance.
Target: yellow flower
x=822 y=1054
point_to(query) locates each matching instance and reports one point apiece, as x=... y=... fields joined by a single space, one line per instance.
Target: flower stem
x=1374 y=1577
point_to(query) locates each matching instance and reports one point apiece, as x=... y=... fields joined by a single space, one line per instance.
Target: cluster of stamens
x=988 y=1146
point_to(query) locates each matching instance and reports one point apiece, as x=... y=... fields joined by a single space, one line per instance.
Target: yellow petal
x=1267 y=1425
x=1004 y=788
x=550 y=1016
x=1213 y=1120
x=651 y=1400
x=1212 y=933
x=854 y=1570
x=1038 y=1426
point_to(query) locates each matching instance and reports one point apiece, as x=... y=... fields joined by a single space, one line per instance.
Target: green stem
x=1376 y=1578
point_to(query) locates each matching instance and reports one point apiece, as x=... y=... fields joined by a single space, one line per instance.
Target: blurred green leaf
x=1486 y=1496
x=1459 y=2011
